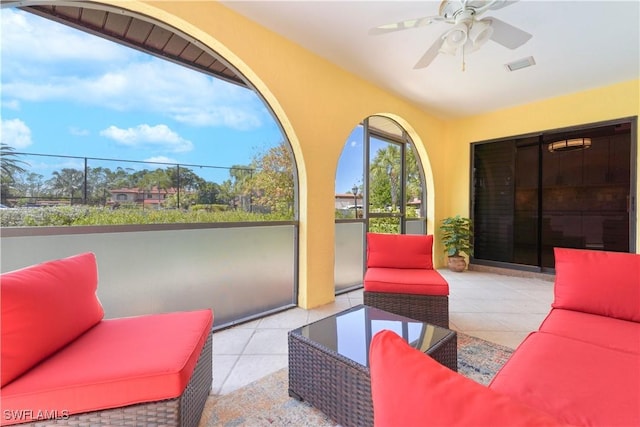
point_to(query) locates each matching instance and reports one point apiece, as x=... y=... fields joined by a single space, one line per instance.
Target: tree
x=66 y=182
x=226 y=193
x=9 y=161
x=386 y=177
x=414 y=180
x=186 y=179
x=241 y=178
x=10 y=166
x=273 y=180
x=208 y=194
x=122 y=178
x=186 y=182
x=28 y=185
x=158 y=179
x=98 y=180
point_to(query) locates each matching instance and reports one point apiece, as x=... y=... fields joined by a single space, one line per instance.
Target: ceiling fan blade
x=430 y=54
x=499 y=4
x=507 y=35
x=405 y=25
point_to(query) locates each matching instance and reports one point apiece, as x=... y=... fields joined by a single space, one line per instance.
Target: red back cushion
x=44 y=307
x=598 y=282
x=409 y=388
x=399 y=250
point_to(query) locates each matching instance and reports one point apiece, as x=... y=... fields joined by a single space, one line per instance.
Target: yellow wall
x=319 y=104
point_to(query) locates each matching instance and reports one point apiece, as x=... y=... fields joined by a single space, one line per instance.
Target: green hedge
x=84 y=215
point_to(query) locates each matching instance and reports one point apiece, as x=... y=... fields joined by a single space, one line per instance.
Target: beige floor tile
x=290 y=319
x=250 y=368
x=231 y=341
x=222 y=367
x=268 y=341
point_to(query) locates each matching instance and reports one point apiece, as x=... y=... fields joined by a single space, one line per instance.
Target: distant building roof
x=137 y=190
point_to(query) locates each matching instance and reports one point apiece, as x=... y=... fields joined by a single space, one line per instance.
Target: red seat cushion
x=598 y=282
x=44 y=307
x=405 y=281
x=601 y=330
x=575 y=381
x=409 y=388
x=118 y=362
x=399 y=250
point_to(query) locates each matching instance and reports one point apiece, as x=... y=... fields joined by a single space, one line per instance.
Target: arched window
x=380 y=187
x=380 y=180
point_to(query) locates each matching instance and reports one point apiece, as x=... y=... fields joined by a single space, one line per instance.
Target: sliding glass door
x=557 y=189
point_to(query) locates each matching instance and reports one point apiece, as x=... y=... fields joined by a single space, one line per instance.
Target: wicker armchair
x=400 y=278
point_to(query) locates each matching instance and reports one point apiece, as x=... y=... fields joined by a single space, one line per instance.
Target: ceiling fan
x=468 y=33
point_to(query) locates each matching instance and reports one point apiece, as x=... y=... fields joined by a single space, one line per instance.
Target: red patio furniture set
x=63 y=363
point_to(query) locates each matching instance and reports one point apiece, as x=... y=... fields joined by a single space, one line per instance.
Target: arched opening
x=380 y=187
x=164 y=258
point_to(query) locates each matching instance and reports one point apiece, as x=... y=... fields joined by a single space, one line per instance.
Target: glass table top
x=349 y=333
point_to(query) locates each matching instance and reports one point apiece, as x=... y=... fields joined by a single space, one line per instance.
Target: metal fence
x=46 y=180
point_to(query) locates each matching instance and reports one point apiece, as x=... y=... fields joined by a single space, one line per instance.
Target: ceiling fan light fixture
x=569 y=144
x=480 y=32
x=457 y=36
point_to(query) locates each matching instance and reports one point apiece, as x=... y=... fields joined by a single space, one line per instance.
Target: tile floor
x=498 y=308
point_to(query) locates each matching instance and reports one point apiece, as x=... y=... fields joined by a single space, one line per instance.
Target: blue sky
x=65 y=92
x=70 y=93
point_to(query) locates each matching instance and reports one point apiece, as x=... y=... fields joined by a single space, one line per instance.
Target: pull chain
x=463 y=63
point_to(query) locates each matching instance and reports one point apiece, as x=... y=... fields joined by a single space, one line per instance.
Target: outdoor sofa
x=400 y=278
x=581 y=367
x=63 y=364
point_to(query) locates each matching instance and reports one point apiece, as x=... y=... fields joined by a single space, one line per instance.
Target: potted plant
x=456 y=233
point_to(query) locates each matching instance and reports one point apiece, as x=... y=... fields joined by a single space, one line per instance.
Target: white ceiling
x=577 y=45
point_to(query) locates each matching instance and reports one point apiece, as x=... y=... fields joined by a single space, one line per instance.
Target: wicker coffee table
x=329 y=359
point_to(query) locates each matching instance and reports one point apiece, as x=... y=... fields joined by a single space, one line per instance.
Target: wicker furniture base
x=339 y=386
x=185 y=410
x=433 y=309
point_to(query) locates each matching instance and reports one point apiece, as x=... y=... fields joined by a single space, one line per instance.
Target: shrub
x=83 y=215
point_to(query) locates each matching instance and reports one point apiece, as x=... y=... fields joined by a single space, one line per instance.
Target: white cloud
x=33 y=39
x=15 y=133
x=45 y=61
x=159 y=136
x=154 y=86
x=12 y=104
x=161 y=159
x=79 y=132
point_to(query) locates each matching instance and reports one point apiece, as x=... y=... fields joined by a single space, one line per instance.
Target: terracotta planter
x=457 y=264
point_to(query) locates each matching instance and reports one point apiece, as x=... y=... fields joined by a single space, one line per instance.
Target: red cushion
x=399 y=250
x=577 y=382
x=598 y=282
x=44 y=307
x=601 y=330
x=117 y=363
x=405 y=281
x=409 y=388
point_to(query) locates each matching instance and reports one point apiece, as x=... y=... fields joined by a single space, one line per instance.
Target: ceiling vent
x=520 y=64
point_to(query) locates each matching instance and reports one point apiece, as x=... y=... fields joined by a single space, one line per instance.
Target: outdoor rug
x=266 y=402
